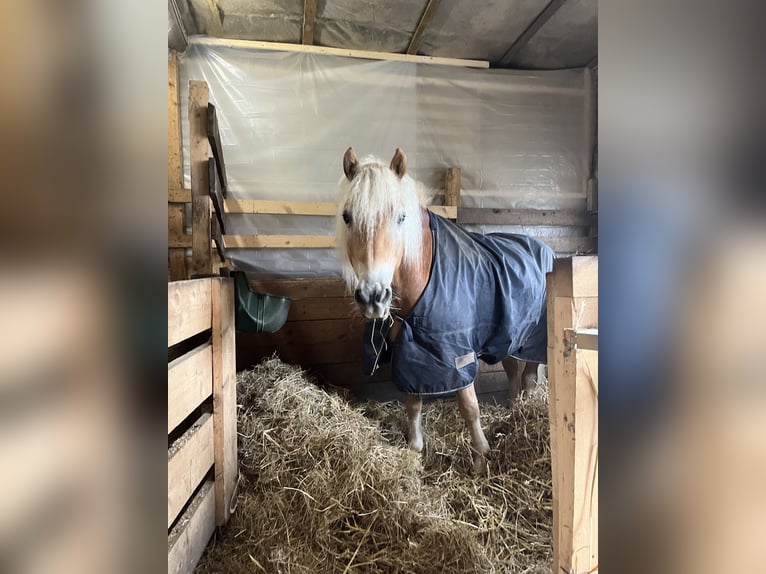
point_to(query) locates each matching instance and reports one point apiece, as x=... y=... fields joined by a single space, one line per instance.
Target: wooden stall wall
x=202 y=416
x=573 y=410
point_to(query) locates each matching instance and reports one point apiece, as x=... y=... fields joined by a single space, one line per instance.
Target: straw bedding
x=327 y=486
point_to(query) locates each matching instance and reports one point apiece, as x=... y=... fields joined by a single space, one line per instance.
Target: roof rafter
x=417 y=36
x=550 y=9
x=309 y=19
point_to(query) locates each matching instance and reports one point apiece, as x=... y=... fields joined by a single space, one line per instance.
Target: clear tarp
x=522 y=139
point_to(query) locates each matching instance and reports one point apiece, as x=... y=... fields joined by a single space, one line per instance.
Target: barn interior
x=511 y=105
x=494 y=104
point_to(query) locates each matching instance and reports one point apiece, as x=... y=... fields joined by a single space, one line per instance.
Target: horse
x=436 y=297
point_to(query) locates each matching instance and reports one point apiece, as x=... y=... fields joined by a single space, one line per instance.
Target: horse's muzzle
x=373 y=299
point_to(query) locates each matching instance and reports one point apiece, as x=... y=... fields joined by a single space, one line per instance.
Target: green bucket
x=257 y=312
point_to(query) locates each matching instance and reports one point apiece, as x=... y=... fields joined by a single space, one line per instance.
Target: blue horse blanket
x=485 y=299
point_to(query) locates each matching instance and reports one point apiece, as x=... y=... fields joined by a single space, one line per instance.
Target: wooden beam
x=174 y=126
x=309 y=288
x=573 y=409
x=216 y=195
x=220 y=247
x=266 y=241
x=190 y=382
x=176 y=259
x=188 y=464
x=189 y=309
x=493 y=216
x=202 y=260
x=550 y=9
x=452 y=187
x=363 y=54
x=417 y=37
x=324 y=208
x=214 y=138
x=188 y=539
x=281 y=207
x=214 y=19
x=179 y=195
x=561 y=245
x=177 y=240
x=224 y=398
x=309 y=20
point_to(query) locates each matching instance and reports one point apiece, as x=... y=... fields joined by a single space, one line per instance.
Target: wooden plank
x=180 y=242
x=189 y=309
x=322 y=308
x=179 y=195
x=213 y=19
x=428 y=14
x=214 y=139
x=363 y=54
x=495 y=216
x=224 y=398
x=176 y=264
x=272 y=241
x=323 y=208
x=216 y=196
x=252 y=348
x=573 y=404
x=188 y=539
x=550 y=9
x=189 y=459
x=301 y=288
x=202 y=260
x=584 y=550
x=218 y=240
x=176 y=260
x=309 y=20
x=190 y=382
x=174 y=126
x=277 y=207
x=576 y=277
x=571 y=245
x=452 y=187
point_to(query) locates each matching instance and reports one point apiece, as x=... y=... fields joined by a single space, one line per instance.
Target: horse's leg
x=529 y=378
x=511 y=367
x=414 y=404
x=469 y=408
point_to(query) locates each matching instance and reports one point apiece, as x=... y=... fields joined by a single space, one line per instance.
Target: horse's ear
x=399 y=163
x=350 y=163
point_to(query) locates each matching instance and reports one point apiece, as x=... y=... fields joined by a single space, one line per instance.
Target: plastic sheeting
x=522 y=139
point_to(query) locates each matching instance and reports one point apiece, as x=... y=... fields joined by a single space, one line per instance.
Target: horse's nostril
x=386 y=295
x=359 y=298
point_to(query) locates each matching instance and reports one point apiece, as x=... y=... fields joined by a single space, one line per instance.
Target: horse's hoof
x=480 y=466
x=416 y=445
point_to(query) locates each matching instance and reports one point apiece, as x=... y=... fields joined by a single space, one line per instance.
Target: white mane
x=375 y=194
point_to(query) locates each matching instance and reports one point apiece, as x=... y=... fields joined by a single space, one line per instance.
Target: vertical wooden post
x=202 y=259
x=572 y=292
x=224 y=398
x=176 y=256
x=452 y=187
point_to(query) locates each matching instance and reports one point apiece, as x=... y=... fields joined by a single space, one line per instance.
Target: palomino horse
x=437 y=298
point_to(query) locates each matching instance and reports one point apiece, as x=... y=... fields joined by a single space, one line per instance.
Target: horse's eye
x=401 y=218
x=347 y=217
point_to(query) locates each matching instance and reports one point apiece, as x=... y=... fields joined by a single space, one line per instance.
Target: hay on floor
x=327 y=486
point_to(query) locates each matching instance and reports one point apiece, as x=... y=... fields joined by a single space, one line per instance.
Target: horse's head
x=378 y=228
